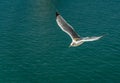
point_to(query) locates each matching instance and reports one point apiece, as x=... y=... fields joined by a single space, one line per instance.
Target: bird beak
x=69 y=46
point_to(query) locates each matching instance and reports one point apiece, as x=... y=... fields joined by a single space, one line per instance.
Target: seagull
x=67 y=28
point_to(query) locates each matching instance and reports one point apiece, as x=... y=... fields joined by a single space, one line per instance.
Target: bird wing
x=87 y=39
x=66 y=27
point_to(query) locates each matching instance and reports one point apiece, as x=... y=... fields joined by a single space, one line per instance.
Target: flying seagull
x=67 y=28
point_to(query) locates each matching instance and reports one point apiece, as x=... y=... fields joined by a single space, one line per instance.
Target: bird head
x=72 y=44
x=75 y=44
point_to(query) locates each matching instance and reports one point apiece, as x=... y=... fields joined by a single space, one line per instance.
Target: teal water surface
x=33 y=49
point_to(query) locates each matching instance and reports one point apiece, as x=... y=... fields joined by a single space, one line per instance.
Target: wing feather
x=87 y=39
x=66 y=27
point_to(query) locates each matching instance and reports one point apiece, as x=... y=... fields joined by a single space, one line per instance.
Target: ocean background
x=33 y=49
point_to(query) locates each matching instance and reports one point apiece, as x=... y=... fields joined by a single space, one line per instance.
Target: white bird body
x=67 y=28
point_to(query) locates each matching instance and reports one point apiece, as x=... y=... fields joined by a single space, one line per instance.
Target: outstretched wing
x=87 y=39
x=66 y=27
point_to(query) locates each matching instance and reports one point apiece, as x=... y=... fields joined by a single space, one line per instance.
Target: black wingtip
x=57 y=14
